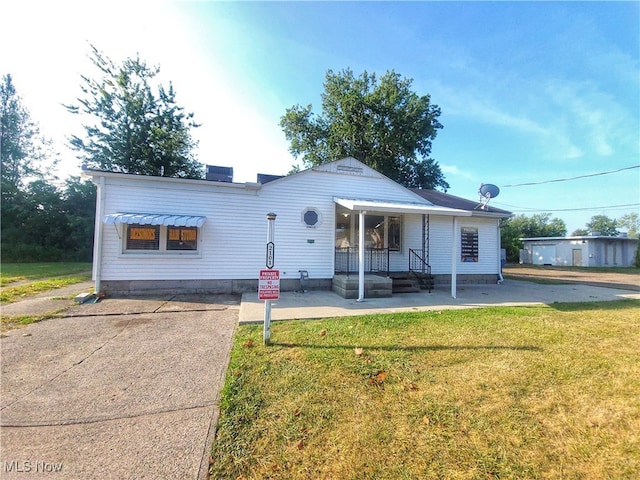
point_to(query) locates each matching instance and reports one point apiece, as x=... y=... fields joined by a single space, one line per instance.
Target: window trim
x=354 y=220
x=162 y=250
x=318 y=214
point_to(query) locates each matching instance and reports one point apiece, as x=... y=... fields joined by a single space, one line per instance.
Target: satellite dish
x=487 y=191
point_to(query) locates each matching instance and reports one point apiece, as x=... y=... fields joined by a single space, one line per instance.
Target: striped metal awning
x=155 y=219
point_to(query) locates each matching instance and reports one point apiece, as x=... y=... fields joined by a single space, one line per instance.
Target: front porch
x=379 y=281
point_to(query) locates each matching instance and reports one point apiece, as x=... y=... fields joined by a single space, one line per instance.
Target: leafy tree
x=130 y=128
x=23 y=151
x=383 y=124
x=79 y=207
x=604 y=225
x=580 y=232
x=539 y=225
x=26 y=231
x=630 y=222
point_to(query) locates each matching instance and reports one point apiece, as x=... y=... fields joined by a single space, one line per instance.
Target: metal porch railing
x=376 y=260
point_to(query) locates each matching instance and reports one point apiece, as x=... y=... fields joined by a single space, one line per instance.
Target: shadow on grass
x=410 y=348
x=592 y=306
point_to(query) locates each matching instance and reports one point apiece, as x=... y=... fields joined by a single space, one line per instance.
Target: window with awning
x=158 y=233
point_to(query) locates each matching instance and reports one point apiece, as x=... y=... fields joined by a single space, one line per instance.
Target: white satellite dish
x=487 y=191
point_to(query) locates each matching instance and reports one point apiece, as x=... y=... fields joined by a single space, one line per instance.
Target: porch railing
x=376 y=260
x=417 y=263
x=420 y=269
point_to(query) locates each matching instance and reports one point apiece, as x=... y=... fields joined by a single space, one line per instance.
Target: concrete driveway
x=125 y=388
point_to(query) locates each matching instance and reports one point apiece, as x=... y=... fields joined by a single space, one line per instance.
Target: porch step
x=425 y=280
x=375 y=286
x=405 y=285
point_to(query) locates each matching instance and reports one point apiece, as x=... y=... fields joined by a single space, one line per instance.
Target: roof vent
x=266 y=178
x=219 y=174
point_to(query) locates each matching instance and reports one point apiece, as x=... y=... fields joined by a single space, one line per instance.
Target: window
x=182 y=238
x=380 y=231
x=143 y=237
x=311 y=217
x=469 y=244
x=160 y=239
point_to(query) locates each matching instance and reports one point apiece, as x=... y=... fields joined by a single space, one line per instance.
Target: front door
x=576 y=256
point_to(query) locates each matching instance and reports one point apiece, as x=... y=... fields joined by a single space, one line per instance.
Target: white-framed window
x=159 y=239
x=381 y=231
x=311 y=217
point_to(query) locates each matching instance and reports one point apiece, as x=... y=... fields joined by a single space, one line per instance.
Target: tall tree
x=381 y=123
x=130 y=128
x=23 y=151
x=630 y=222
x=603 y=225
x=539 y=225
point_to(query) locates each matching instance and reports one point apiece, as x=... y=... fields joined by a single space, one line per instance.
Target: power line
x=571 y=178
x=531 y=210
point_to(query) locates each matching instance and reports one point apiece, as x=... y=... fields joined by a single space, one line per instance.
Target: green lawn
x=14 y=272
x=512 y=392
x=20 y=280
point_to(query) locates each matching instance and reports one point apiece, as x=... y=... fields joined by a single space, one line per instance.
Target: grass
x=623 y=270
x=17 y=293
x=16 y=272
x=35 y=278
x=9 y=323
x=510 y=392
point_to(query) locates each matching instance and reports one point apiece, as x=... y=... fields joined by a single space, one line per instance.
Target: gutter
x=97 y=238
x=499 y=242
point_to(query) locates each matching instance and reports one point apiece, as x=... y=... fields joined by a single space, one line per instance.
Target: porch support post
x=454 y=258
x=361 y=257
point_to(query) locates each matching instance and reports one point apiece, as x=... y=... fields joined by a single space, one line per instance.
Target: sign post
x=269 y=282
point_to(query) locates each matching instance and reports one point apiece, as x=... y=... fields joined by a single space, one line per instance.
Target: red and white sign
x=269 y=285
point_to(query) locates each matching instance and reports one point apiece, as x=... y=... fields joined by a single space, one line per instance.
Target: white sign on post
x=269 y=285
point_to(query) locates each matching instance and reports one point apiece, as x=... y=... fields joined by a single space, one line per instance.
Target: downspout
x=454 y=259
x=98 y=234
x=500 y=277
x=361 y=257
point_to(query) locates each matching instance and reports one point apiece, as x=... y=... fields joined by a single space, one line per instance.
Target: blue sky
x=529 y=92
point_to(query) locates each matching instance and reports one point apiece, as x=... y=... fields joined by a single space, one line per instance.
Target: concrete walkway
x=316 y=304
x=121 y=389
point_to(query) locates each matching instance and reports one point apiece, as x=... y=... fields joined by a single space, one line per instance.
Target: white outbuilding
x=159 y=234
x=580 y=251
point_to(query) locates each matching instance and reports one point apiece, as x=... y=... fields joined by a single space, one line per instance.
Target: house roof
x=578 y=237
x=451 y=201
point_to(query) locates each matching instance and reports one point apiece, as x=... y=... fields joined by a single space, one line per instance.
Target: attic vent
x=219 y=174
x=350 y=169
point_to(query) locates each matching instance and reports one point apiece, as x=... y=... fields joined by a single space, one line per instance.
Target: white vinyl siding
x=232 y=241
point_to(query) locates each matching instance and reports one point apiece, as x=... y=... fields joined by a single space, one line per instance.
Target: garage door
x=544 y=254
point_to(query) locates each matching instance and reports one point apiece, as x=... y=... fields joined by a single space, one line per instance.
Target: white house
x=158 y=234
x=580 y=251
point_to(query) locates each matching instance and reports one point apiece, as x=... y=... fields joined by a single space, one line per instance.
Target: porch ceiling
x=386 y=206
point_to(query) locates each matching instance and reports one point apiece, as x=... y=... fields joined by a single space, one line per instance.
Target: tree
x=580 y=232
x=23 y=150
x=79 y=207
x=539 y=225
x=383 y=124
x=130 y=128
x=630 y=222
x=602 y=225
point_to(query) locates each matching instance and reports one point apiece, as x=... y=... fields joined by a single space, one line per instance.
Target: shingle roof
x=451 y=201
